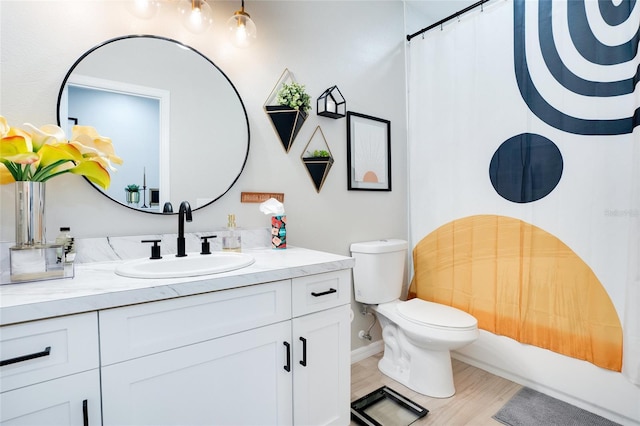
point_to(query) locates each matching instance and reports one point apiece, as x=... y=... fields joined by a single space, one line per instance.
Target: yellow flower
x=5 y=175
x=4 y=127
x=17 y=149
x=41 y=154
x=93 y=171
x=90 y=144
x=47 y=134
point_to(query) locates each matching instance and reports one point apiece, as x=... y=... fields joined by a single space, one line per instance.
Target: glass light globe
x=241 y=29
x=144 y=9
x=196 y=15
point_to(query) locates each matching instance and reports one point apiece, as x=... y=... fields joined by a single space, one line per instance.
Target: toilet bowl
x=418 y=336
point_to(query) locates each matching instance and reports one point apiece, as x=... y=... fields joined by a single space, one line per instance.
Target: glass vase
x=30 y=225
x=32 y=259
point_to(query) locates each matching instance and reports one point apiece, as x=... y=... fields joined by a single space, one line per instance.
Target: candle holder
x=331 y=103
x=144 y=188
x=144 y=197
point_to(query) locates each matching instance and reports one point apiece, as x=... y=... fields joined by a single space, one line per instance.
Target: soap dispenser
x=231 y=241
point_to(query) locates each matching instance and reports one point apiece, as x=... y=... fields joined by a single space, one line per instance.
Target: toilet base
x=418 y=356
x=426 y=372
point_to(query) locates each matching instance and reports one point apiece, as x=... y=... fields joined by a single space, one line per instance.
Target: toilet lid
x=435 y=314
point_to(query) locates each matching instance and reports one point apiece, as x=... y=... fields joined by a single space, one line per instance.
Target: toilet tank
x=379 y=270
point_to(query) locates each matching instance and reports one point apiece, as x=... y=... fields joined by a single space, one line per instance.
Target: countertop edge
x=164 y=289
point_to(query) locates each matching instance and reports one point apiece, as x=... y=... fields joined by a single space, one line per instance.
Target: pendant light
x=196 y=15
x=144 y=9
x=241 y=29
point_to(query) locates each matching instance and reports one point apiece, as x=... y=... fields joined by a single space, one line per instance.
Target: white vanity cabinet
x=321 y=337
x=49 y=372
x=232 y=357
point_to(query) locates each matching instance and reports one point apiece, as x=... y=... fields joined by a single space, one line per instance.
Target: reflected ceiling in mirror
x=174 y=117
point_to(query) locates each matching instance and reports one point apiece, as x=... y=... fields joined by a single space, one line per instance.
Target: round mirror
x=174 y=117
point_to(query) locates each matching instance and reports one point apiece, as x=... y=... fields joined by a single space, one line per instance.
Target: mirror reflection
x=173 y=116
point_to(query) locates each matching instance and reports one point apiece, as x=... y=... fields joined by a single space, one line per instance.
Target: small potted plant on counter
x=133 y=193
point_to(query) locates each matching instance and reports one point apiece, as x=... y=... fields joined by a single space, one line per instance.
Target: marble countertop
x=96 y=286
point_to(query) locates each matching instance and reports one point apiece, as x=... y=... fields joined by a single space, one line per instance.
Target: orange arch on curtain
x=521 y=282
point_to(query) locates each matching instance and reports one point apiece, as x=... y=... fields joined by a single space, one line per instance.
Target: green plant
x=294 y=96
x=132 y=188
x=319 y=153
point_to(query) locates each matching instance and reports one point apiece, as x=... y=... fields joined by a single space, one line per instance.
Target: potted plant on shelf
x=294 y=96
x=318 y=153
x=133 y=193
x=318 y=163
x=318 y=156
x=288 y=116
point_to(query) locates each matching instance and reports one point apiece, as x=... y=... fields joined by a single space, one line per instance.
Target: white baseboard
x=366 y=351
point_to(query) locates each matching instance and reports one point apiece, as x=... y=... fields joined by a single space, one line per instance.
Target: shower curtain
x=524 y=173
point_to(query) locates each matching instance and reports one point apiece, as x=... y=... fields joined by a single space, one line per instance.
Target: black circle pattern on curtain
x=526 y=168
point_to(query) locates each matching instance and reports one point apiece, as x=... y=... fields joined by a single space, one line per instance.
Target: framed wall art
x=368 y=152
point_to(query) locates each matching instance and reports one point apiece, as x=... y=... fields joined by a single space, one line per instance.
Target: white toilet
x=417 y=334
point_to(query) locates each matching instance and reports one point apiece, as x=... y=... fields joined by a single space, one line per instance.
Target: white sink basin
x=194 y=264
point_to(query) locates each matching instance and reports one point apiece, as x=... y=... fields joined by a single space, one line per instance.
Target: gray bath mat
x=532 y=408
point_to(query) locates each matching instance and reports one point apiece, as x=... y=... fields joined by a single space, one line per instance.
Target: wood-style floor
x=479 y=395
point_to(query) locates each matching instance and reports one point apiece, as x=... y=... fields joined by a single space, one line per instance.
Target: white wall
x=322 y=43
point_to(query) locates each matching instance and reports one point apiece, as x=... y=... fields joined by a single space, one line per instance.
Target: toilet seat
x=435 y=315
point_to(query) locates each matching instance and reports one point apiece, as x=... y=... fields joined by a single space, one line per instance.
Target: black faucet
x=185 y=209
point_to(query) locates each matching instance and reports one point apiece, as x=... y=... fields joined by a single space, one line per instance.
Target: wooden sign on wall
x=259 y=197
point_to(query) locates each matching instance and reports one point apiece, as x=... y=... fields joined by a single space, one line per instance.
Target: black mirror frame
x=88 y=52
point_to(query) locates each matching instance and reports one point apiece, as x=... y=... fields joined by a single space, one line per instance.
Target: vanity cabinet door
x=322 y=371
x=71 y=400
x=238 y=379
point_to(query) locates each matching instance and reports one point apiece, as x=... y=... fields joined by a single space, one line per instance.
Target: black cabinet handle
x=15 y=360
x=287 y=367
x=324 y=293
x=304 y=352
x=85 y=412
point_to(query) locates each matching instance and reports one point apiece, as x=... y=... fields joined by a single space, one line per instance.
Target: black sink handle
x=155 y=249
x=206 y=247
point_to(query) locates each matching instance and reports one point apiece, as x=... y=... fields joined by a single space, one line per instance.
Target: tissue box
x=279 y=232
x=35 y=263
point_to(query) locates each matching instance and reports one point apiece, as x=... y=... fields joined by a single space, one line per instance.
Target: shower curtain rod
x=448 y=18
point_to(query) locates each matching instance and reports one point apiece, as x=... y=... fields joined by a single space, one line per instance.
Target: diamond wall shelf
x=286 y=121
x=317 y=158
